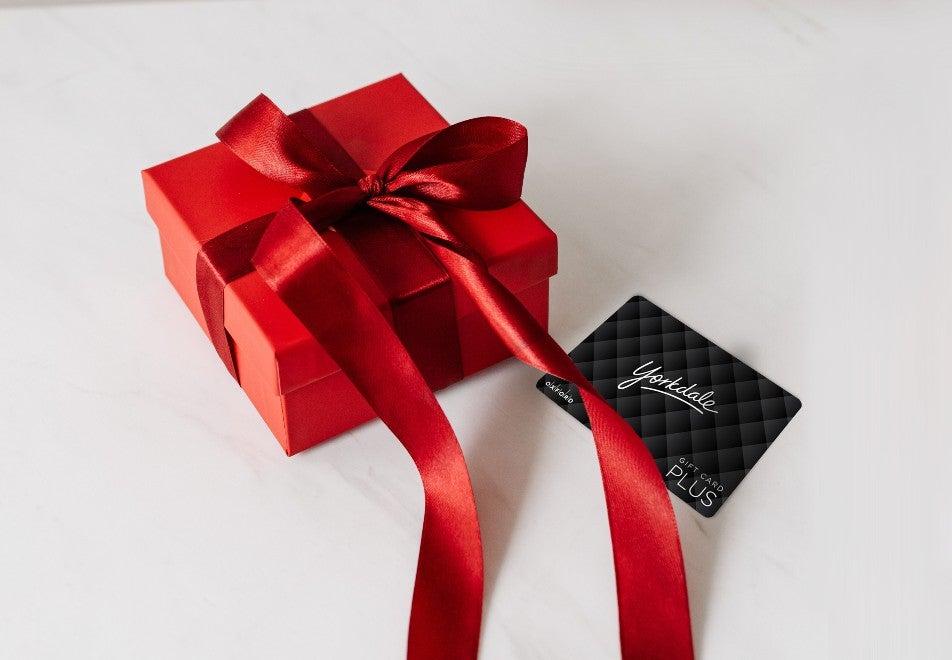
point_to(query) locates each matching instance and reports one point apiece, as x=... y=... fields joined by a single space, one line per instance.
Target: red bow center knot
x=372 y=186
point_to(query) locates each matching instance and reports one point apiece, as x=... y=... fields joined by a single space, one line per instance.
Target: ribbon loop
x=268 y=140
x=476 y=164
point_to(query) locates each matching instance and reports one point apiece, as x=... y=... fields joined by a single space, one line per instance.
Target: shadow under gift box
x=297 y=388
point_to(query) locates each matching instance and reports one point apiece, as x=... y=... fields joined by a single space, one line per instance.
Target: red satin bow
x=475 y=164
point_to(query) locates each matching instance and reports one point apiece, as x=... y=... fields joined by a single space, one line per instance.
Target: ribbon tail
x=300 y=266
x=649 y=570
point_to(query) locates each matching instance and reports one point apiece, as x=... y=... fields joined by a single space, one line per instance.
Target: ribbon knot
x=371 y=186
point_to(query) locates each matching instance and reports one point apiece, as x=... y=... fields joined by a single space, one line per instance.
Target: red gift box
x=297 y=388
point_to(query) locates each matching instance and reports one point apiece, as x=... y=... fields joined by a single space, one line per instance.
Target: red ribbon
x=476 y=164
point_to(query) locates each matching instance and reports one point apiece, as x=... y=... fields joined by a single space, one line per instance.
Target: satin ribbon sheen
x=476 y=164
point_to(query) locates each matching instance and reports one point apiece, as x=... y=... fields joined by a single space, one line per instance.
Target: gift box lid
x=198 y=196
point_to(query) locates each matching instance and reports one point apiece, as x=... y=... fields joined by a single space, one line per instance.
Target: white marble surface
x=777 y=174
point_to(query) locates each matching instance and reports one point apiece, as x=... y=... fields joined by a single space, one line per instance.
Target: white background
x=776 y=174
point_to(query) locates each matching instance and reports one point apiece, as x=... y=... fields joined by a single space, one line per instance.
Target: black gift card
x=706 y=416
